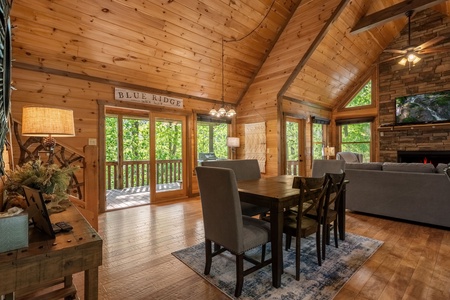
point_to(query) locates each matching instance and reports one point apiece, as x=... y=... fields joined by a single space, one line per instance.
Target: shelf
x=414 y=126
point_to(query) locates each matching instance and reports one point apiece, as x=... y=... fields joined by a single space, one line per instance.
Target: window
x=356 y=137
x=363 y=98
x=211 y=138
x=318 y=140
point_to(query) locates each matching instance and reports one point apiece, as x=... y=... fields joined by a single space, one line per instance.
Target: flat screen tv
x=423 y=108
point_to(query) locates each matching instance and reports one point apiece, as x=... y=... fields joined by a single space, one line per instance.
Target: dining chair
x=244 y=169
x=297 y=223
x=331 y=208
x=225 y=225
x=322 y=166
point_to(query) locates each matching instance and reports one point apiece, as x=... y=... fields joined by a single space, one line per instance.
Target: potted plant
x=51 y=179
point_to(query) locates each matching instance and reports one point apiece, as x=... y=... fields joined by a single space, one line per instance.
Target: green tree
x=364 y=97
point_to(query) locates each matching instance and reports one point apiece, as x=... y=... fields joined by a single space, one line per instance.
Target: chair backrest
x=313 y=191
x=222 y=216
x=335 y=187
x=349 y=157
x=244 y=169
x=322 y=166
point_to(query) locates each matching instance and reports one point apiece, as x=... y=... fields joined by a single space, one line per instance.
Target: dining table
x=277 y=194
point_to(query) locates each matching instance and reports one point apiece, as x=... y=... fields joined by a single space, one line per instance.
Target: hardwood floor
x=413 y=263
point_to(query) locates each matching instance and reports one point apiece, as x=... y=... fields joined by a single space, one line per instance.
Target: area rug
x=316 y=282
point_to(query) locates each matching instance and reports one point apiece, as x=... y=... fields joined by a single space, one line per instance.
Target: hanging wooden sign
x=147 y=98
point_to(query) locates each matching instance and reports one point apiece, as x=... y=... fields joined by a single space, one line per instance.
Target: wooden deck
x=134 y=196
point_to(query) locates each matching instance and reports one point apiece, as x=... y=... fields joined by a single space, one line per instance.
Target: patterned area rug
x=315 y=282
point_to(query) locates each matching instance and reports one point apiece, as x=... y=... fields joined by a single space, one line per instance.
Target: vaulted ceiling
x=175 y=46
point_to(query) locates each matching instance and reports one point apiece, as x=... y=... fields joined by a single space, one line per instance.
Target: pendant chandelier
x=222 y=112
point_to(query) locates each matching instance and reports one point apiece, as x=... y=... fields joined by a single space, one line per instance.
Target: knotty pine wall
x=82 y=97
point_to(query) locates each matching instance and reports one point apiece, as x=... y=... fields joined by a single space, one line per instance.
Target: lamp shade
x=329 y=151
x=44 y=121
x=233 y=142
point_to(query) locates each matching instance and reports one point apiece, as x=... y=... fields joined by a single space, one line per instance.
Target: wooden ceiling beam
x=312 y=48
x=391 y=13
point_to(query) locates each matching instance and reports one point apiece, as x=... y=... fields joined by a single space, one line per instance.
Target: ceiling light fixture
x=222 y=112
x=411 y=57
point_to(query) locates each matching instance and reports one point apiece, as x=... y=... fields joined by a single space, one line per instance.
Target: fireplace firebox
x=424 y=156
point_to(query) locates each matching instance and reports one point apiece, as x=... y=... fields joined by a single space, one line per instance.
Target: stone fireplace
x=434 y=157
x=431 y=74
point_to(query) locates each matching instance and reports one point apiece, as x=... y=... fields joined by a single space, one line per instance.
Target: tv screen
x=423 y=108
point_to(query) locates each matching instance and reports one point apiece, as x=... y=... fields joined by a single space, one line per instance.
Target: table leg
x=276 y=223
x=91 y=284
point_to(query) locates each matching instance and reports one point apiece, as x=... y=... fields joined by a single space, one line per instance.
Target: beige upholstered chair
x=224 y=224
x=244 y=169
x=349 y=157
x=322 y=166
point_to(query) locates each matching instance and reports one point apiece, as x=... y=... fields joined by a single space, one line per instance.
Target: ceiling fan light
x=416 y=60
x=403 y=61
x=411 y=57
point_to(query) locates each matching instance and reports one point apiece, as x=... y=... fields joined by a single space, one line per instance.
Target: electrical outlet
x=92 y=142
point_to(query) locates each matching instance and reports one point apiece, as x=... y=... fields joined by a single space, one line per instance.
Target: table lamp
x=233 y=143
x=48 y=122
x=329 y=151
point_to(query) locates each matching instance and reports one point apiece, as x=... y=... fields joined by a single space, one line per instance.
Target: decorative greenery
x=49 y=179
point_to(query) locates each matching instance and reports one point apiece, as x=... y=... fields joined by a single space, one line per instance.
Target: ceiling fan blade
x=430 y=43
x=395 y=51
x=434 y=50
x=391 y=58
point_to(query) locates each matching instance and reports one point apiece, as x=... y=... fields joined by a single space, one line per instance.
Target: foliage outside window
x=212 y=138
x=317 y=140
x=363 y=98
x=292 y=142
x=168 y=140
x=356 y=138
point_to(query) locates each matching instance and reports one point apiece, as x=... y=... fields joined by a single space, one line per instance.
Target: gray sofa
x=409 y=191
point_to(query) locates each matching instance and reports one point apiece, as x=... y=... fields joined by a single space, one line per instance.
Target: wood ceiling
x=175 y=46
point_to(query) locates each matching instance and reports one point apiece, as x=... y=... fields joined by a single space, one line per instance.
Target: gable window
x=363 y=98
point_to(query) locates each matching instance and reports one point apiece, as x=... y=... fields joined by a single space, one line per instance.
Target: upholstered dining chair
x=244 y=169
x=312 y=196
x=322 y=166
x=225 y=225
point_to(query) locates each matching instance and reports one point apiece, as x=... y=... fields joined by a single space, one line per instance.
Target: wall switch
x=92 y=142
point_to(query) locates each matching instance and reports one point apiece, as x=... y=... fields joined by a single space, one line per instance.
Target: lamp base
x=48 y=143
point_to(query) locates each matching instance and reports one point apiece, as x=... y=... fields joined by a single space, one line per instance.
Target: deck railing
x=292 y=167
x=137 y=173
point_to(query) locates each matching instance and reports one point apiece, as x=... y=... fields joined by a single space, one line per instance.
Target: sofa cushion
x=348 y=156
x=409 y=167
x=441 y=167
x=364 y=166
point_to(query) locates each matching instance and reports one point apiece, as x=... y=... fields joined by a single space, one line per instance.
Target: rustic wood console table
x=46 y=260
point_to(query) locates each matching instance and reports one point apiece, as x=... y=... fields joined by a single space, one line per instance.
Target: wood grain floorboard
x=413 y=263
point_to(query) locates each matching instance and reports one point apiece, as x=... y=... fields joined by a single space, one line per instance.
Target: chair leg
x=319 y=254
x=239 y=274
x=298 y=244
x=208 y=252
x=324 y=240
x=335 y=234
x=263 y=253
x=288 y=242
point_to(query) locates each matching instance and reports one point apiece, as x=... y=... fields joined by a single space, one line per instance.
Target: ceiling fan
x=411 y=54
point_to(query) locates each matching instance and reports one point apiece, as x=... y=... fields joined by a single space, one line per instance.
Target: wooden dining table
x=277 y=194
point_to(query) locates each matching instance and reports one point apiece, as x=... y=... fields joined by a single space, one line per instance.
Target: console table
x=46 y=260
